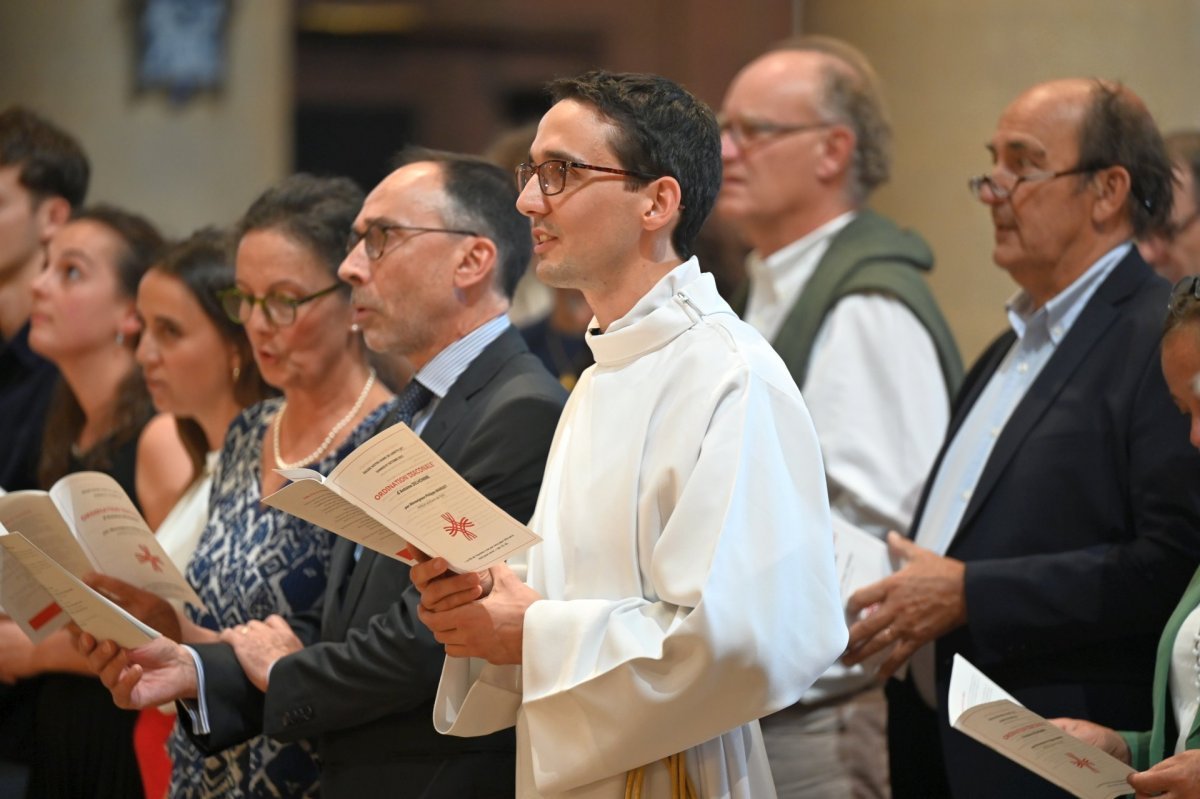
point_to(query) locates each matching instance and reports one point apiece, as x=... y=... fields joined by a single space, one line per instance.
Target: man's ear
x=837 y=152
x=664 y=201
x=478 y=263
x=1111 y=189
x=50 y=214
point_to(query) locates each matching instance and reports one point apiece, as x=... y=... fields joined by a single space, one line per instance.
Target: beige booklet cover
x=392 y=493
x=85 y=522
x=92 y=612
x=984 y=711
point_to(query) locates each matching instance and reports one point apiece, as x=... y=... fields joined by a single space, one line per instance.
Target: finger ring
x=242 y=629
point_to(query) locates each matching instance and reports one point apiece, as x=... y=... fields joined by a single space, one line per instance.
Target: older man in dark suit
x=434 y=255
x=1062 y=518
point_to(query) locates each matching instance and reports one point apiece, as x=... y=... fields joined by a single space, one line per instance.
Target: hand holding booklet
x=86 y=522
x=394 y=495
x=861 y=559
x=984 y=711
x=73 y=598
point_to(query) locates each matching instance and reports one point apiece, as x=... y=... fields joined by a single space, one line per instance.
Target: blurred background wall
x=339 y=86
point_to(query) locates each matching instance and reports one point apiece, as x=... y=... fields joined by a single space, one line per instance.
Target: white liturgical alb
x=687 y=566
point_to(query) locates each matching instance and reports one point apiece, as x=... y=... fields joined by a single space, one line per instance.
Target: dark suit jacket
x=1082 y=532
x=364 y=686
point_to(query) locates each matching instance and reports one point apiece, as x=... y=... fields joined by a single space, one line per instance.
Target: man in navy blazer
x=434 y=255
x=1061 y=521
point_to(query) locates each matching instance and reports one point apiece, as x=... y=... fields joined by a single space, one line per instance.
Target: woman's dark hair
x=203 y=263
x=314 y=211
x=141 y=247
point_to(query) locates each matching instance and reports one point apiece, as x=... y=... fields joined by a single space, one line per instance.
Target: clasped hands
x=922 y=601
x=477 y=614
x=162 y=670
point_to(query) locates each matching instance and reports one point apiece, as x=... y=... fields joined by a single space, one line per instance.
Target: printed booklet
x=85 y=523
x=393 y=495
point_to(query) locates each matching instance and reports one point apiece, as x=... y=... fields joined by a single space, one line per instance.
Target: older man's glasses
x=746 y=133
x=375 y=237
x=279 y=309
x=552 y=174
x=1001 y=191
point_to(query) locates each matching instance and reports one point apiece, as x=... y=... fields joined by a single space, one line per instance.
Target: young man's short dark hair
x=51 y=161
x=661 y=130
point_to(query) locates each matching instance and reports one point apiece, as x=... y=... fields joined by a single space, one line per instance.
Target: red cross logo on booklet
x=143 y=556
x=1082 y=762
x=456 y=526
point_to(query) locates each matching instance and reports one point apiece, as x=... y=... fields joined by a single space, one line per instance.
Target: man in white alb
x=686 y=584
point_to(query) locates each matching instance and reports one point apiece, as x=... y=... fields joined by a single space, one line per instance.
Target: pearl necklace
x=280 y=463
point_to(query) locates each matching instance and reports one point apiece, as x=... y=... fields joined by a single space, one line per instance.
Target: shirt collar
x=448 y=365
x=768 y=270
x=677 y=302
x=1055 y=318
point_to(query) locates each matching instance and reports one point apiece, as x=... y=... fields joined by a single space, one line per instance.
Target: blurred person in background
x=198 y=367
x=840 y=292
x=43 y=177
x=1174 y=250
x=83 y=319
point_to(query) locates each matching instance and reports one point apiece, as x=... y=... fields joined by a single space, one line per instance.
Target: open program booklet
x=393 y=494
x=85 y=523
x=987 y=713
x=71 y=599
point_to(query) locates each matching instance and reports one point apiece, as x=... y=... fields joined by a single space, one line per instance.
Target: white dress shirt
x=874 y=386
x=877 y=397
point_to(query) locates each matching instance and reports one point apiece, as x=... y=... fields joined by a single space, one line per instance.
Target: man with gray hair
x=1174 y=250
x=839 y=291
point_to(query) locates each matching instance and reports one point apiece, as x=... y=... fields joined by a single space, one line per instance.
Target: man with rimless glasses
x=685 y=584
x=1061 y=521
x=840 y=292
x=431 y=260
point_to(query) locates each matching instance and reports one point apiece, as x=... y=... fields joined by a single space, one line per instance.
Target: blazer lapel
x=453 y=406
x=341 y=561
x=358 y=579
x=1085 y=333
x=968 y=395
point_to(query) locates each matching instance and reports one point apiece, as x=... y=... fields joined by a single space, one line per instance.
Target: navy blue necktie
x=412 y=399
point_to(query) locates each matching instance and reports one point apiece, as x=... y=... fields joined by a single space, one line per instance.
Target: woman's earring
x=120 y=338
x=237 y=372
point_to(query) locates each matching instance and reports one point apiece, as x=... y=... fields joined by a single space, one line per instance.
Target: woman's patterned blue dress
x=252 y=561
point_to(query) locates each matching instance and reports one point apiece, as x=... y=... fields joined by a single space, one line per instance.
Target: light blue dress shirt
x=1039 y=332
